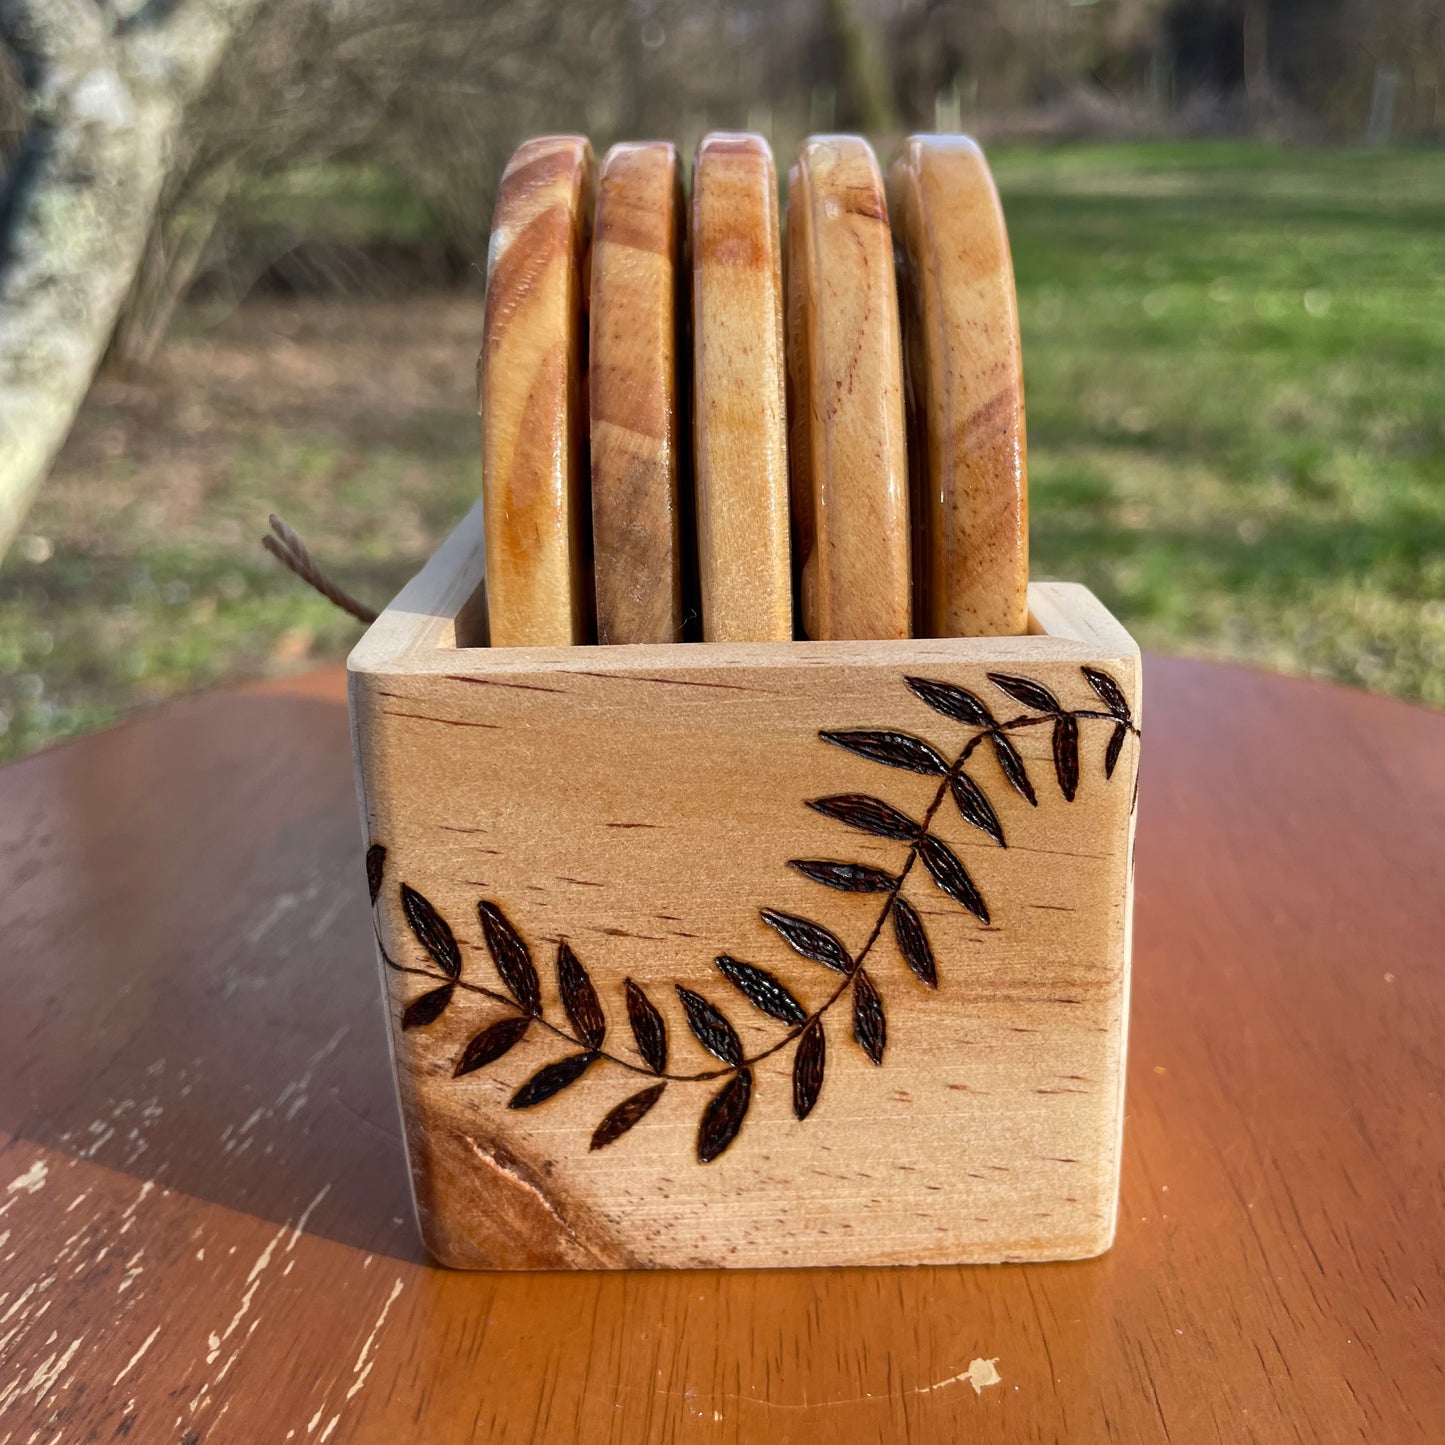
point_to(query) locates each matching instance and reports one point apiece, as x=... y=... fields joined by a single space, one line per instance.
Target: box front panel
x=913 y=1050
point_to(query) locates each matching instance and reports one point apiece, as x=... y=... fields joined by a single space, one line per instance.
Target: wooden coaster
x=740 y=441
x=965 y=382
x=530 y=390
x=845 y=402
x=634 y=392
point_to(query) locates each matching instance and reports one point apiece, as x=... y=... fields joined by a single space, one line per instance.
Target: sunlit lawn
x=1235 y=364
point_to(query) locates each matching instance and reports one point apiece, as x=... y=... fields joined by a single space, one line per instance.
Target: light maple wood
x=634 y=382
x=845 y=397
x=532 y=397
x=740 y=442
x=206 y=1225
x=642 y=805
x=961 y=350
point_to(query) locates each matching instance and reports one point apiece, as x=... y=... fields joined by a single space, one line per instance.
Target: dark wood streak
x=665 y=681
x=499 y=682
x=450 y=722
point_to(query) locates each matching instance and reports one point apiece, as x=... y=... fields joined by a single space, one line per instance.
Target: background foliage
x=1233 y=312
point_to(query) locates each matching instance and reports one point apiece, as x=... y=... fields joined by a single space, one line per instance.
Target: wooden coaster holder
x=546 y=824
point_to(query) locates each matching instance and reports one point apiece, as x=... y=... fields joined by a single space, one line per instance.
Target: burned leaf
x=375 y=866
x=1066 y=754
x=1031 y=694
x=868 y=815
x=913 y=942
x=762 y=990
x=870 y=1027
x=810 y=939
x=951 y=875
x=551 y=1080
x=432 y=931
x=648 y=1027
x=510 y=954
x=427 y=1009
x=489 y=1045
x=629 y=1112
x=1109 y=692
x=1116 y=746
x=724 y=1116
x=710 y=1028
x=897 y=750
x=975 y=807
x=808 y=1064
x=1012 y=766
x=845 y=877
x=579 y=998
x=955 y=702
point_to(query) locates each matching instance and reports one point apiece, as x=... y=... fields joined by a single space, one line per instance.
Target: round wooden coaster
x=530 y=390
x=634 y=393
x=966 y=397
x=847 y=450
x=740 y=439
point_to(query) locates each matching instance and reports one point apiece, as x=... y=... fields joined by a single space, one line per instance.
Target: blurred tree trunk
x=108 y=100
x=178 y=244
x=866 y=70
x=1256 y=50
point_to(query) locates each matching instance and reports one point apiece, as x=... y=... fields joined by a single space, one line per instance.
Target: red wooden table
x=205 y=1232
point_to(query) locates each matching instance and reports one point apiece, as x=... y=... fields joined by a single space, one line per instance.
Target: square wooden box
x=546 y=824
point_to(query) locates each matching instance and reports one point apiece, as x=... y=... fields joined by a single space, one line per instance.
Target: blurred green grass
x=1235 y=364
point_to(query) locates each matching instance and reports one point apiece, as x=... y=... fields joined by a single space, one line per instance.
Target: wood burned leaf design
x=1116 y=746
x=897 y=750
x=954 y=702
x=1031 y=694
x=1109 y=692
x=870 y=1027
x=1012 y=766
x=951 y=876
x=629 y=1112
x=710 y=1028
x=809 y=1063
x=648 y=1027
x=762 y=990
x=427 y=1009
x=579 y=998
x=512 y=958
x=867 y=815
x=489 y=1045
x=432 y=931
x=547 y=1082
x=375 y=867
x=1066 y=754
x=724 y=1116
x=975 y=807
x=845 y=877
x=913 y=943
x=810 y=939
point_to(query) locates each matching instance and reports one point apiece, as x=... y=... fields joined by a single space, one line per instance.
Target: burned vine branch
x=586 y=1027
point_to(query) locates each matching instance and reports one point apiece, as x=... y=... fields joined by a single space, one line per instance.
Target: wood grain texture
x=961 y=350
x=532 y=397
x=740 y=439
x=205 y=1214
x=845 y=397
x=875 y=896
x=635 y=383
